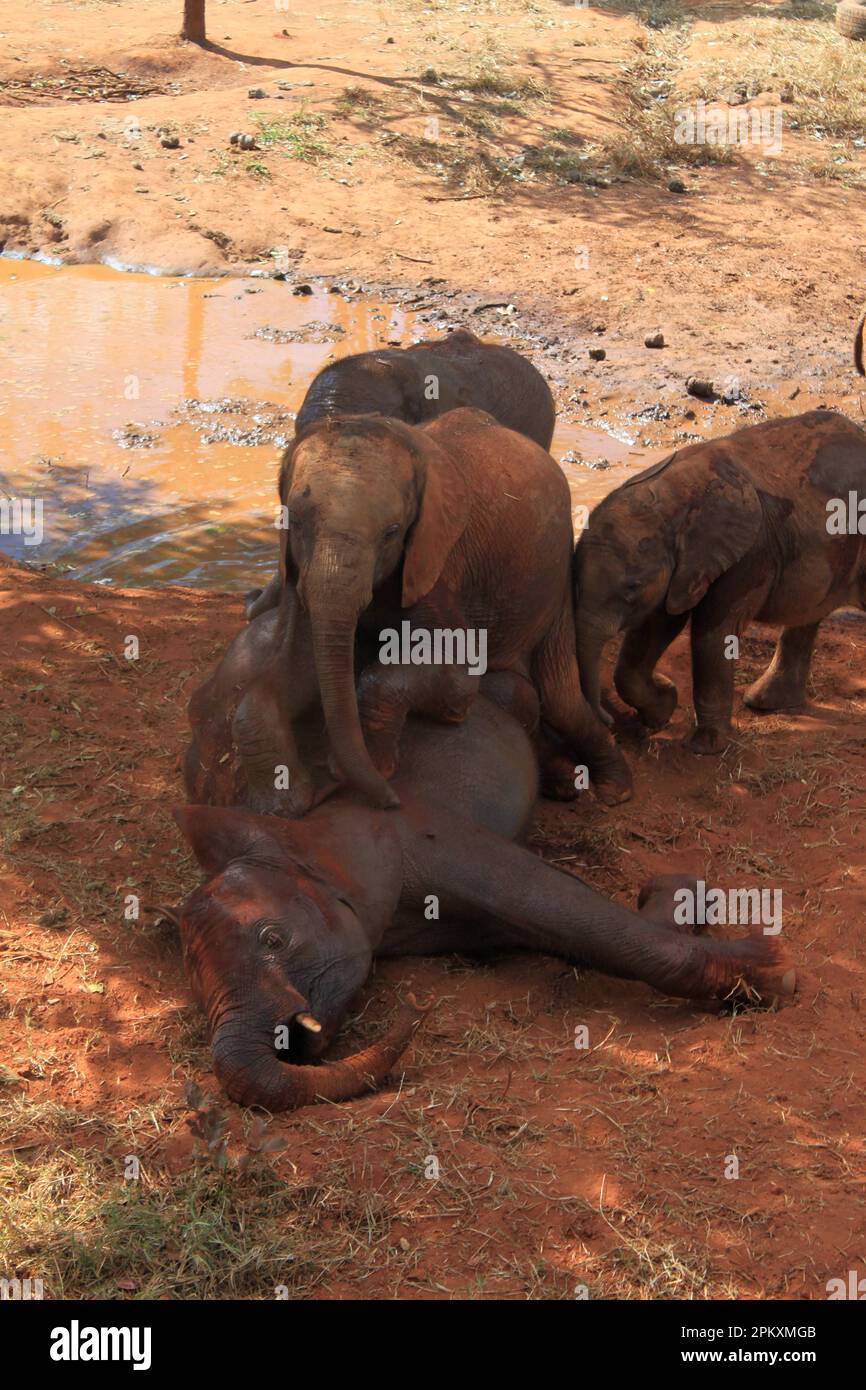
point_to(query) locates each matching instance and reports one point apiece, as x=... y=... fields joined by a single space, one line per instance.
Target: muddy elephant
x=283 y=932
x=456 y=534
x=754 y=526
x=418 y=383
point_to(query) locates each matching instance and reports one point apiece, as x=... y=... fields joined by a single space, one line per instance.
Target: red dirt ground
x=558 y=1167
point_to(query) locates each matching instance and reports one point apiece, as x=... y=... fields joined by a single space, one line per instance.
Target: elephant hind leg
x=509 y=898
x=783 y=684
x=514 y=693
x=657 y=902
x=565 y=709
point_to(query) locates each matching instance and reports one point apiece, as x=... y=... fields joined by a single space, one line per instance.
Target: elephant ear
x=219 y=834
x=720 y=527
x=442 y=517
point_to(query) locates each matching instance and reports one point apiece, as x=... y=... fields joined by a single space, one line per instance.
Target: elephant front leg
x=431 y=665
x=506 y=897
x=565 y=709
x=652 y=695
x=783 y=684
x=712 y=682
x=387 y=694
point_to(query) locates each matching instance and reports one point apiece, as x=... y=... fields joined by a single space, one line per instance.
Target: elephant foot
x=611 y=781
x=383 y=747
x=659 y=901
x=754 y=970
x=374 y=789
x=612 y=793
x=557 y=779
x=769 y=694
x=657 y=711
x=708 y=742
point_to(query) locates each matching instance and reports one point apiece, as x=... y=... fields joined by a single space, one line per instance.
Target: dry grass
x=821 y=75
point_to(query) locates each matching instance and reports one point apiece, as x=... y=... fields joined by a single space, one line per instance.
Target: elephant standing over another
x=725 y=532
x=457 y=526
x=282 y=934
x=418 y=383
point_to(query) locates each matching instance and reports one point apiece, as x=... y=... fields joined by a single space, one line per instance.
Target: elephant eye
x=269 y=937
x=392 y=529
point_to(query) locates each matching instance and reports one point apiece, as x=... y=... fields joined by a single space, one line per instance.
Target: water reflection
x=95 y=369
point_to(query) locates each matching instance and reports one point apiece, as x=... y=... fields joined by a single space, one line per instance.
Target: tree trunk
x=193 y=21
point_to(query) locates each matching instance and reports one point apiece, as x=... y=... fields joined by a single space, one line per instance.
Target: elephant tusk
x=307 y=1021
x=165 y=914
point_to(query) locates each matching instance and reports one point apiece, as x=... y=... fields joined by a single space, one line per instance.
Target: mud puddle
x=141 y=417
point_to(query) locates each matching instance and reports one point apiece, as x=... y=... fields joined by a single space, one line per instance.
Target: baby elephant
x=760 y=525
x=284 y=930
x=429 y=554
x=417 y=384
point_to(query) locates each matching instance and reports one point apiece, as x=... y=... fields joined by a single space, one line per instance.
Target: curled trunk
x=252 y=1074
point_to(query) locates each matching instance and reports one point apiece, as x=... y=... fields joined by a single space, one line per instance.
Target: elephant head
x=275 y=950
x=365 y=497
x=658 y=541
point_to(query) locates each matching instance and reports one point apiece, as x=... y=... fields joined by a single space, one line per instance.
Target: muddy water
x=142 y=417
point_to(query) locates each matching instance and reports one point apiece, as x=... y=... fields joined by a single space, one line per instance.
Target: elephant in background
x=457 y=526
x=418 y=383
x=427 y=379
x=282 y=934
x=725 y=532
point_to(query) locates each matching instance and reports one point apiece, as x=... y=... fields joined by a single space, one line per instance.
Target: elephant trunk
x=336 y=588
x=251 y=1072
x=591 y=641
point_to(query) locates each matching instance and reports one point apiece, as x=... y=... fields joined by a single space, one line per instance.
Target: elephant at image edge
x=725 y=532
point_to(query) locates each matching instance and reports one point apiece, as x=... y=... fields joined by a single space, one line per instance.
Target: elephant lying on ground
x=754 y=526
x=458 y=529
x=416 y=384
x=282 y=934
